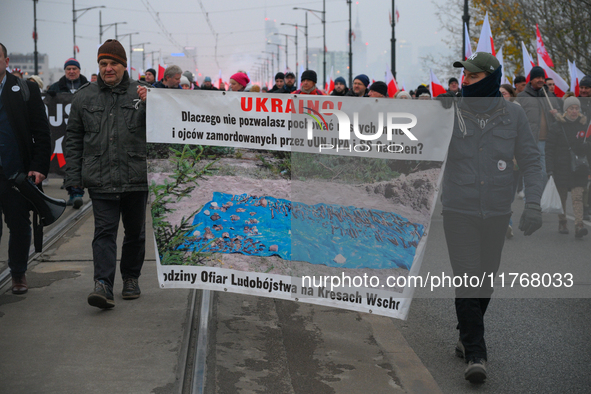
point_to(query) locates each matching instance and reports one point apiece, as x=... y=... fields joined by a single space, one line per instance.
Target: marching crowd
x=496 y=147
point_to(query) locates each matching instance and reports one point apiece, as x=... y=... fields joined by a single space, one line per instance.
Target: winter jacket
x=105 y=144
x=287 y=89
x=160 y=85
x=352 y=93
x=565 y=133
x=535 y=104
x=64 y=85
x=344 y=92
x=478 y=177
x=275 y=89
x=28 y=121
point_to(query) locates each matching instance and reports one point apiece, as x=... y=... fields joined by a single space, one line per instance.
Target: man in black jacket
x=71 y=81
x=540 y=106
x=477 y=192
x=25 y=146
x=290 y=85
x=340 y=87
x=279 y=82
x=105 y=148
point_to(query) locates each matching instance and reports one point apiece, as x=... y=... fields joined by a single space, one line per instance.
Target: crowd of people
x=520 y=135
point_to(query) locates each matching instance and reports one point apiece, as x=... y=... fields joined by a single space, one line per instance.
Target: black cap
x=452 y=79
x=289 y=74
x=479 y=62
x=380 y=87
x=537 y=72
x=586 y=81
x=279 y=75
x=310 y=75
x=152 y=71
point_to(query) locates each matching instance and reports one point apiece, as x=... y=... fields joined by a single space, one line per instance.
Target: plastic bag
x=551 y=199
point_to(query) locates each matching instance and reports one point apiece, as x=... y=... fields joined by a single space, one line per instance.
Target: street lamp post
x=323 y=20
x=286 y=41
x=393 y=41
x=143 y=44
x=278 y=58
x=130 y=48
x=466 y=19
x=350 y=47
x=104 y=28
x=75 y=18
x=35 y=36
x=272 y=61
x=296 y=45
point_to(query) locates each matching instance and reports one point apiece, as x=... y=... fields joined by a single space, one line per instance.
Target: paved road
x=536 y=345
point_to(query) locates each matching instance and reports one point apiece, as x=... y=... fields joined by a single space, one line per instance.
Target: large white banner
x=316 y=199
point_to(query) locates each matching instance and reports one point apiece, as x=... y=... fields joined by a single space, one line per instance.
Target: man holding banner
x=477 y=192
x=106 y=153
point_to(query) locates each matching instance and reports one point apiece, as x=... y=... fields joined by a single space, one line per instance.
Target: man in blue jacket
x=477 y=194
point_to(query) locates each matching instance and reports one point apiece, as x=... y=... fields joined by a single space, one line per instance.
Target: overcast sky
x=240 y=26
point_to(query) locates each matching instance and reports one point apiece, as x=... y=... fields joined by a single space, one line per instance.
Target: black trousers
x=17 y=215
x=131 y=208
x=475 y=246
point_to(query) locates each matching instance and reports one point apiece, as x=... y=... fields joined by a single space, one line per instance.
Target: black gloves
x=447 y=99
x=531 y=219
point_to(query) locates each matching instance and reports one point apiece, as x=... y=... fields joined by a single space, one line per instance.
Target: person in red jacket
x=308 y=84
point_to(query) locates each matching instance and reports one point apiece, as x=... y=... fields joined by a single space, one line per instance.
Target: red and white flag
x=59 y=153
x=541 y=49
x=391 y=82
x=397 y=15
x=435 y=87
x=160 y=72
x=220 y=81
x=528 y=62
x=499 y=57
x=467 y=45
x=485 y=43
x=560 y=85
x=329 y=86
x=575 y=77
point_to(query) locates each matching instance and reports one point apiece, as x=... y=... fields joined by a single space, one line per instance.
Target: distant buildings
x=27 y=65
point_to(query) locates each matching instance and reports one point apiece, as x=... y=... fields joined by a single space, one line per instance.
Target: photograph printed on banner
x=289 y=213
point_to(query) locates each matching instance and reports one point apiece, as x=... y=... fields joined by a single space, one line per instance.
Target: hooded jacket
x=105 y=143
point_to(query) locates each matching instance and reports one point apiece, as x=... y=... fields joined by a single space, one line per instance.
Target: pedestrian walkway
x=54 y=342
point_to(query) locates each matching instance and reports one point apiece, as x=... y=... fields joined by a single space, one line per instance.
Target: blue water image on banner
x=332 y=235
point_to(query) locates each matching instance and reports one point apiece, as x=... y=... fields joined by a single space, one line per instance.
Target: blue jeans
x=16 y=212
